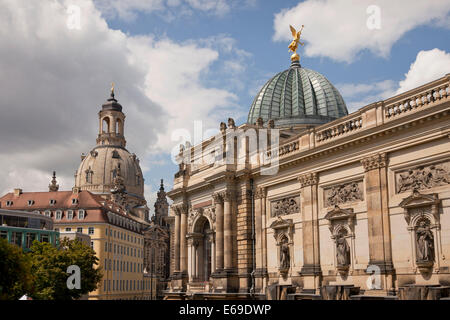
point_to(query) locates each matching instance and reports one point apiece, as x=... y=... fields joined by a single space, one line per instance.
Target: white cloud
x=55 y=79
x=337 y=29
x=428 y=66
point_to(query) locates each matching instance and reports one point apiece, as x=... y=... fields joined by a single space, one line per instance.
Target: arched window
x=118 y=126
x=105 y=125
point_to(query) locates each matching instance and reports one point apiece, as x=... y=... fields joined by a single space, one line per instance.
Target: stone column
x=219 y=231
x=227 y=230
x=379 y=232
x=191 y=259
x=177 y=240
x=311 y=270
x=258 y=228
x=264 y=238
x=183 y=242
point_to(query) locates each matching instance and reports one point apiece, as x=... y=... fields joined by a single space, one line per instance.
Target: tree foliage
x=42 y=272
x=15 y=272
x=49 y=266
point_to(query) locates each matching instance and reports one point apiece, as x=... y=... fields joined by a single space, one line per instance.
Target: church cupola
x=111 y=126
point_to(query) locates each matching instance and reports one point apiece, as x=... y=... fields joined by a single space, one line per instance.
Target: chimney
x=17 y=192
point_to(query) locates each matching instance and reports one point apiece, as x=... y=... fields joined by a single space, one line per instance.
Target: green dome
x=297 y=96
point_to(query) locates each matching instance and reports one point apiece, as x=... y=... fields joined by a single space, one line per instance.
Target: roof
x=297 y=96
x=95 y=206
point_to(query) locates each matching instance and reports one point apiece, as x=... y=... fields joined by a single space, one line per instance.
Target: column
x=264 y=237
x=227 y=230
x=380 y=253
x=177 y=240
x=190 y=259
x=183 y=242
x=219 y=231
x=258 y=228
x=310 y=230
x=213 y=254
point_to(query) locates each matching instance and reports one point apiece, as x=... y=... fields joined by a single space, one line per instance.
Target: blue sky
x=179 y=61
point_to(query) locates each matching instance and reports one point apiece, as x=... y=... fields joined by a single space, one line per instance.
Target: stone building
x=306 y=201
x=157 y=246
x=107 y=203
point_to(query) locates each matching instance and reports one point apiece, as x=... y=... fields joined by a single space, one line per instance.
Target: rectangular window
x=92 y=244
x=106 y=246
x=91 y=230
x=70 y=215
x=80 y=230
x=44 y=238
x=58 y=215
x=80 y=214
x=68 y=229
x=30 y=238
x=57 y=229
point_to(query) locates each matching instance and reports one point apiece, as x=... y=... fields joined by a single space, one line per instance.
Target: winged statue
x=296 y=34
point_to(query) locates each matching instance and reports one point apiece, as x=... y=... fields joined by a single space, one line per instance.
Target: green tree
x=49 y=266
x=16 y=278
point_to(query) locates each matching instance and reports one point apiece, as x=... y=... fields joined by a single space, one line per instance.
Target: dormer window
x=30 y=202
x=81 y=214
x=9 y=203
x=58 y=215
x=74 y=201
x=48 y=213
x=52 y=202
x=69 y=214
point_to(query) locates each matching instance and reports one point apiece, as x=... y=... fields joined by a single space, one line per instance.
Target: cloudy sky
x=177 y=62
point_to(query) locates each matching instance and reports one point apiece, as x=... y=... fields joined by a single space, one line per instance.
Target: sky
x=179 y=63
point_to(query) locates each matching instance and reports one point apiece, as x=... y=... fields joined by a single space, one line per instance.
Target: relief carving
x=348 y=192
x=423 y=177
x=285 y=206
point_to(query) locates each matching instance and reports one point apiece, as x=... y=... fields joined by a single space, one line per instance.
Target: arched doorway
x=201 y=251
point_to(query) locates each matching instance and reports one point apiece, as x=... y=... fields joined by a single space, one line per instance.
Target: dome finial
x=112 y=89
x=294 y=44
x=53 y=186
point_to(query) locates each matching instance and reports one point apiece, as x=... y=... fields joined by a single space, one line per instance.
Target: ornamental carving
x=374 y=162
x=423 y=177
x=260 y=193
x=308 y=179
x=285 y=206
x=343 y=193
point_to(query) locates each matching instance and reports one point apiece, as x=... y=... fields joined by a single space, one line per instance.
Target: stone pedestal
x=225 y=281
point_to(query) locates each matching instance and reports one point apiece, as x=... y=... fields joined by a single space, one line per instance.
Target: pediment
x=281 y=223
x=417 y=199
x=338 y=213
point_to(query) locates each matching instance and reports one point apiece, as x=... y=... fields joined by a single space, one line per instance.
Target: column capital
x=217 y=197
x=260 y=193
x=227 y=195
x=308 y=179
x=179 y=208
x=374 y=161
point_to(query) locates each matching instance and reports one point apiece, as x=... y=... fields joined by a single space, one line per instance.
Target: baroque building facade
x=107 y=203
x=306 y=201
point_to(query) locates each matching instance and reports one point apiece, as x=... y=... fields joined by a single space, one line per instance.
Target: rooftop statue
x=294 y=44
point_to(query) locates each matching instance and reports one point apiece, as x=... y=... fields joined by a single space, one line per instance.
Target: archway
x=201 y=258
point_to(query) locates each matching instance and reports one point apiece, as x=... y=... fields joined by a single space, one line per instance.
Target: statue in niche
x=342 y=251
x=284 y=254
x=425 y=242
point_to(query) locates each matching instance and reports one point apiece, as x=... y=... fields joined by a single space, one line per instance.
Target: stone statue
x=342 y=251
x=285 y=257
x=425 y=242
x=231 y=124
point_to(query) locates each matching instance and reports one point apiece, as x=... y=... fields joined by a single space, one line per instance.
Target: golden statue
x=294 y=44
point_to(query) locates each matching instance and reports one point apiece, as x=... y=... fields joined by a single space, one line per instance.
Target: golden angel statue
x=294 y=44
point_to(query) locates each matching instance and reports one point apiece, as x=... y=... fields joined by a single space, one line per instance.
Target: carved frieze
x=285 y=206
x=308 y=179
x=423 y=177
x=343 y=193
x=374 y=162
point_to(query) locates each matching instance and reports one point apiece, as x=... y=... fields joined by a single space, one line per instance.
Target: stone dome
x=297 y=97
x=98 y=169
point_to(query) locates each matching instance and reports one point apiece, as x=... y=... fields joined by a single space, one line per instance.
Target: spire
x=161 y=188
x=53 y=187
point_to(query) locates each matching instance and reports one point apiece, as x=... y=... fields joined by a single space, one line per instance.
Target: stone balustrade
x=418 y=99
x=339 y=129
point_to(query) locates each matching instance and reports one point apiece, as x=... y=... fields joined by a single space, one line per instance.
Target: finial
x=162 y=184
x=294 y=44
x=112 y=89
